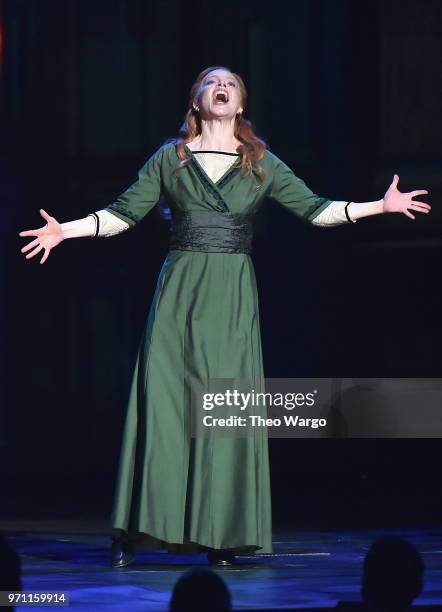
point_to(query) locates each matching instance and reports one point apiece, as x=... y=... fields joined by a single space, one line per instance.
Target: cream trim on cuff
x=109 y=224
x=334 y=214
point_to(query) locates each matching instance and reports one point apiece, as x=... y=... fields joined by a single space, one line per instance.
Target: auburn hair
x=252 y=148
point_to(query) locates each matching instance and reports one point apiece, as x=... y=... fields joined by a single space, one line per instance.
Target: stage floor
x=308 y=569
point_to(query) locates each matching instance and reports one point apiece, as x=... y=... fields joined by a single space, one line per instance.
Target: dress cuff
x=107 y=224
x=334 y=214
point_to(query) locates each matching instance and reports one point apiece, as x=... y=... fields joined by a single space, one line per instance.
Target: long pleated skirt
x=175 y=491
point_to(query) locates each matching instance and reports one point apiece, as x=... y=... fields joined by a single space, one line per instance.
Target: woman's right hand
x=47 y=237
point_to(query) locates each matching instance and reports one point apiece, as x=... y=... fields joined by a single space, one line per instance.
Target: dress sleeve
x=134 y=203
x=291 y=191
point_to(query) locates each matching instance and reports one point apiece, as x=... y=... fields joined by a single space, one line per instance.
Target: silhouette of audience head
x=10 y=569
x=200 y=590
x=393 y=574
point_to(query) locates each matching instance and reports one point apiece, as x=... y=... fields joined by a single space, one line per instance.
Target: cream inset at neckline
x=215 y=163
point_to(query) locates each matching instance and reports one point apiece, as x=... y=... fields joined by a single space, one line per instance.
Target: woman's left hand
x=395 y=201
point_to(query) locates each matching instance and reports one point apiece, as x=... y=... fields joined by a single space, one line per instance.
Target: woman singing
x=173 y=490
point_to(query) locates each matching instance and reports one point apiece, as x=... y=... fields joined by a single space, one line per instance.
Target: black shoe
x=122 y=552
x=221 y=558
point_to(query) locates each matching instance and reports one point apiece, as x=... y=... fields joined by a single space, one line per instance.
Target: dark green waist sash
x=211 y=231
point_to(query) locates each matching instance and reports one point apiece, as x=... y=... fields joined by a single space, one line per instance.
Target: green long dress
x=173 y=491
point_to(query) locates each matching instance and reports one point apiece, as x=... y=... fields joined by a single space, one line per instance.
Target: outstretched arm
x=127 y=210
x=101 y=223
x=291 y=191
x=393 y=201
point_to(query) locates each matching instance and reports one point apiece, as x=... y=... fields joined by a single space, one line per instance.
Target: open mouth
x=221 y=97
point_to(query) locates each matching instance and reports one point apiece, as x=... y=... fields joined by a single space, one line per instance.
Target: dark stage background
x=347 y=93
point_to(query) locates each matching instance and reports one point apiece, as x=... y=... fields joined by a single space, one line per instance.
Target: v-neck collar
x=221 y=181
x=213 y=187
